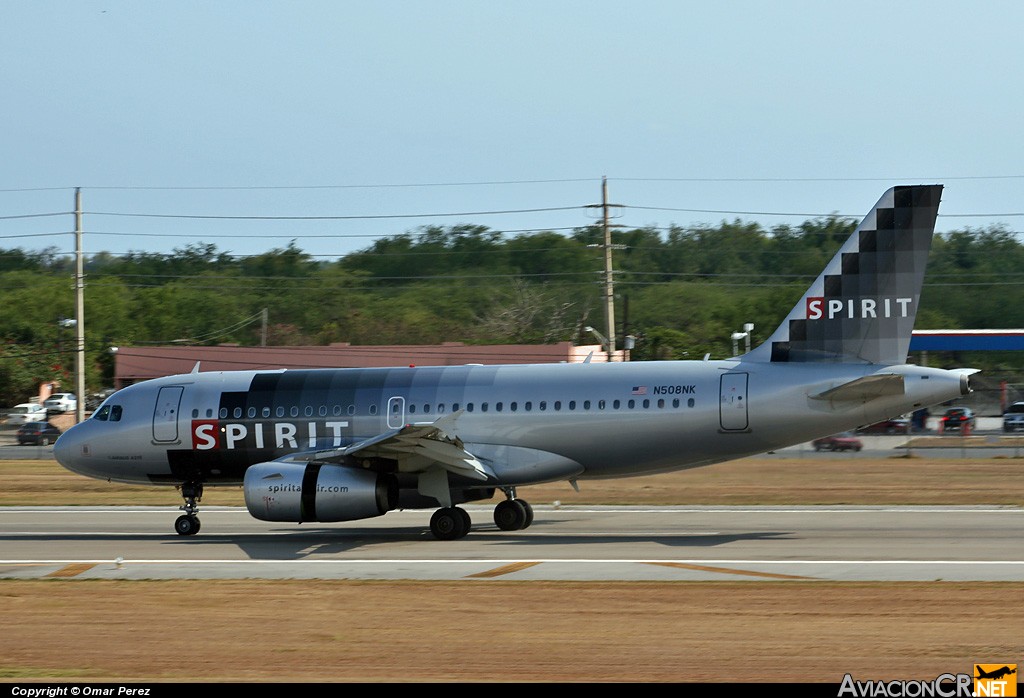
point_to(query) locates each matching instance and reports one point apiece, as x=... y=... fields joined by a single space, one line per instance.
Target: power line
x=314 y=187
x=332 y=218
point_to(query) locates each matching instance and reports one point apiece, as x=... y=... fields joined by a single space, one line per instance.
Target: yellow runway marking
x=505 y=569
x=726 y=570
x=72 y=570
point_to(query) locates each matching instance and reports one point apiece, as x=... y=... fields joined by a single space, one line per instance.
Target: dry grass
x=502 y=631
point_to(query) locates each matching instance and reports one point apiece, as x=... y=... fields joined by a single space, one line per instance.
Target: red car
x=838 y=442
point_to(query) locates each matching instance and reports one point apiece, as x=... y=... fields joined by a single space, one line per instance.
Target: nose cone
x=70 y=449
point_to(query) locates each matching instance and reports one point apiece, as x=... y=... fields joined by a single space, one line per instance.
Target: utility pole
x=609 y=285
x=263 y=330
x=79 y=312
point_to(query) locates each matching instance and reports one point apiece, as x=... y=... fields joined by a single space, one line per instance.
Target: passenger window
x=483 y=407
x=543 y=405
x=373 y=409
x=690 y=402
x=237 y=413
x=266 y=412
x=440 y=408
x=469 y=407
x=661 y=403
x=251 y=412
x=426 y=408
x=294 y=411
x=322 y=411
x=115 y=413
x=631 y=404
x=586 y=404
x=412 y=408
x=528 y=406
x=309 y=410
x=497 y=407
x=514 y=406
x=209 y=413
x=616 y=404
x=223 y=412
x=195 y=414
x=280 y=411
x=572 y=404
x=647 y=403
x=675 y=402
x=351 y=410
x=455 y=407
x=337 y=410
x=558 y=405
x=600 y=404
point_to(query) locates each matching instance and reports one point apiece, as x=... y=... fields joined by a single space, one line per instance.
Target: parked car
x=1013 y=418
x=956 y=418
x=838 y=442
x=59 y=403
x=26 y=412
x=897 y=425
x=39 y=433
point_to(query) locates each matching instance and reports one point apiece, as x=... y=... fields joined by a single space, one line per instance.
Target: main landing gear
x=188 y=523
x=513 y=514
x=452 y=523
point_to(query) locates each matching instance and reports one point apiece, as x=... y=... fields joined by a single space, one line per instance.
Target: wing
x=416 y=448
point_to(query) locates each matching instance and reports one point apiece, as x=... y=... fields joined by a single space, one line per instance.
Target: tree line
x=680 y=291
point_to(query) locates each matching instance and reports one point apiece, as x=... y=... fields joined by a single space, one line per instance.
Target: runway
x=579 y=543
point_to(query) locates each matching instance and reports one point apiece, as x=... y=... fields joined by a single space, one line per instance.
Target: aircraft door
x=165 y=415
x=396 y=413
x=733 y=403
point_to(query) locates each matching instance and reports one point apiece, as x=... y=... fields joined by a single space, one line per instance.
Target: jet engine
x=297 y=492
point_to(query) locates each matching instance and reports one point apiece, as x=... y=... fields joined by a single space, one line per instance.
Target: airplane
x=332 y=445
x=996 y=674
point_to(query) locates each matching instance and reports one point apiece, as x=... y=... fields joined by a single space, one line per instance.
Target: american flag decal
x=639 y=390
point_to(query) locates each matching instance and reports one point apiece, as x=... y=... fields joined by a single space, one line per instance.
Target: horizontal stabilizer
x=866 y=388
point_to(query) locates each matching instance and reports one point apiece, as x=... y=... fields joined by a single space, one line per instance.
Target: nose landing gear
x=188 y=523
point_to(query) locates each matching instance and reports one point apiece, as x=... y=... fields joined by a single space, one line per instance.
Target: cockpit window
x=108 y=413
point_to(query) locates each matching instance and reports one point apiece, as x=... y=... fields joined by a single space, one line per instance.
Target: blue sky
x=342 y=109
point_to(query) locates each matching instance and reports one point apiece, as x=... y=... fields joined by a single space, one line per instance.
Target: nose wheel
x=188 y=523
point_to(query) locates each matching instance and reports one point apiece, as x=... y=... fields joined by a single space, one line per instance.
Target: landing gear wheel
x=186 y=525
x=449 y=523
x=510 y=515
x=529 y=512
x=467 y=522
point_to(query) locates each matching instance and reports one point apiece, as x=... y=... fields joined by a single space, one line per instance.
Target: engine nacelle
x=300 y=492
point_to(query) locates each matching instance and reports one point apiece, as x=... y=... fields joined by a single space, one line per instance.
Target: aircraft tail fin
x=861 y=309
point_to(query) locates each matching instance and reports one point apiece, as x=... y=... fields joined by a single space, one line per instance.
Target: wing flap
x=417 y=447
